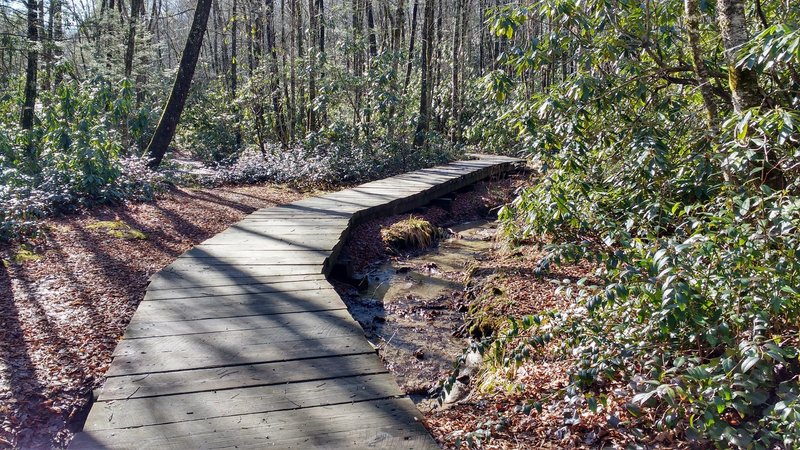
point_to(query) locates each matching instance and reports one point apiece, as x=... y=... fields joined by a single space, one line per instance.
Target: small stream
x=412 y=308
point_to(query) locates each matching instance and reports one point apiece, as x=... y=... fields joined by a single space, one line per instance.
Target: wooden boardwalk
x=241 y=342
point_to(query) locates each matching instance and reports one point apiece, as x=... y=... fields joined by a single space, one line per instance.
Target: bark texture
x=171 y=115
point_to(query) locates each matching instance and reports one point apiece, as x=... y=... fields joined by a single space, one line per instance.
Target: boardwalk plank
x=242 y=271
x=234 y=353
x=308 y=320
x=391 y=424
x=233 y=306
x=163 y=281
x=200 y=380
x=232 y=402
x=247 y=339
x=237 y=289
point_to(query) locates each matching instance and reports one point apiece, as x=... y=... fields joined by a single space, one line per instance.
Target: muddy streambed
x=412 y=309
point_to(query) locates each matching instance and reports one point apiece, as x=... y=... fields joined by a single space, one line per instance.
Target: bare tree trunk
x=397 y=36
x=313 y=26
x=171 y=115
x=298 y=25
x=425 y=75
x=275 y=90
x=438 y=58
x=26 y=120
x=358 y=62
x=743 y=81
x=373 y=41
x=49 y=45
x=287 y=96
x=137 y=8
x=57 y=35
x=255 y=61
x=700 y=70
x=223 y=46
x=411 y=39
x=235 y=64
x=454 y=78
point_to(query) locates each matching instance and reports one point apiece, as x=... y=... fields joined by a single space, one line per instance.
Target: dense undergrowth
x=86 y=149
x=692 y=225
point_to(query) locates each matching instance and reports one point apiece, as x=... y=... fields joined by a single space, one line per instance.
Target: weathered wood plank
x=390 y=424
x=234 y=306
x=242 y=271
x=233 y=402
x=238 y=289
x=186 y=381
x=163 y=280
x=229 y=352
x=283 y=242
x=307 y=320
x=221 y=257
x=326 y=325
x=254 y=256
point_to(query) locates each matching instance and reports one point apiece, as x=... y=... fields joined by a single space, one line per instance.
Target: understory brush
x=328 y=164
x=692 y=221
x=76 y=157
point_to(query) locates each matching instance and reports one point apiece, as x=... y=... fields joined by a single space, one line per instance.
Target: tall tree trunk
x=358 y=62
x=256 y=40
x=49 y=45
x=743 y=82
x=425 y=75
x=235 y=64
x=300 y=103
x=397 y=36
x=137 y=8
x=274 y=86
x=313 y=26
x=57 y=30
x=692 y=10
x=26 y=120
x=322 y=116
x=373 y=41
x=287 y=100
x=454 y=78
x=220 y=30
x=171 y=115
x=412 y=37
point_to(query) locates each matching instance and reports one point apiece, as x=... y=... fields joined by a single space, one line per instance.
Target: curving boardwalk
x=242 y=343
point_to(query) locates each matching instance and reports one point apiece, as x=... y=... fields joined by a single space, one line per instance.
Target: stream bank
x=412 y=306
x=412 y=309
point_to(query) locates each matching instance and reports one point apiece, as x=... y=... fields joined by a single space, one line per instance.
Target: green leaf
x=749 y=362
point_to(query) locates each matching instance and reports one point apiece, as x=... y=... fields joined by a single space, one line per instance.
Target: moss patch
x=118 y=229
x=410 y=234
x=21 y=256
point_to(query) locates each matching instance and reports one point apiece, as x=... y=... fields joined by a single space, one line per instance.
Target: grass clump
x=410 y=234
x=21 y=256
x=118 y=229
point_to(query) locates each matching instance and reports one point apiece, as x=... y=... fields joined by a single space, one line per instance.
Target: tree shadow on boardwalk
x=202 y=349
